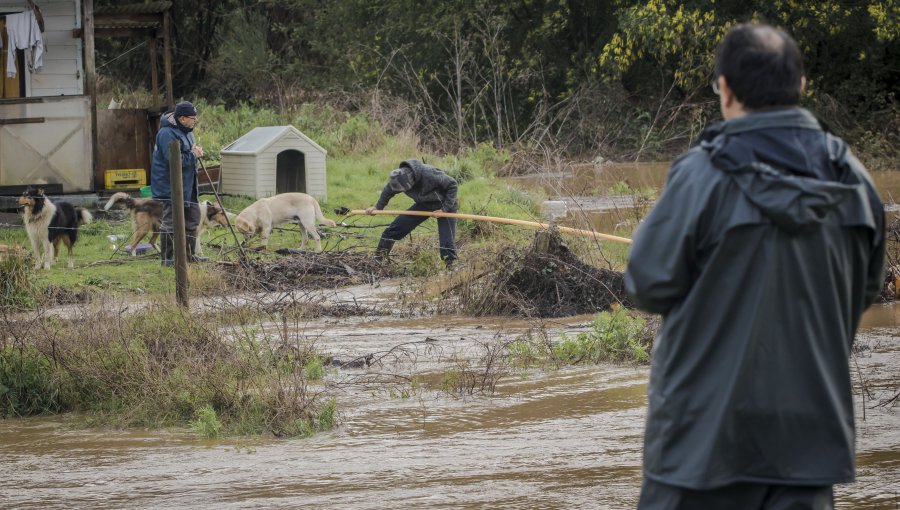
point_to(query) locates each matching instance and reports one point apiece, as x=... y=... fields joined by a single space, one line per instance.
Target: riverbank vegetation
x=161 y=367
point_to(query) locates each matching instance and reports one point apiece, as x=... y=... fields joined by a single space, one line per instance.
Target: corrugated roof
x=260 y=138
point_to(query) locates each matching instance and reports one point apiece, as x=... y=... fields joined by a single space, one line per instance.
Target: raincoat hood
x=425 y=184
x=168 y=119
x=799 y=178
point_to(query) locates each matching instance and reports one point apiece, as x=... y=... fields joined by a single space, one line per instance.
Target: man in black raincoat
x=431 y=190
x=763 y=251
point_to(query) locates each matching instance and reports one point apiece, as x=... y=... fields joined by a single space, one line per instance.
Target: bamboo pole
x=495 y=219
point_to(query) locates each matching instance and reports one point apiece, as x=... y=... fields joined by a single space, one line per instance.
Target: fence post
x=181 y=274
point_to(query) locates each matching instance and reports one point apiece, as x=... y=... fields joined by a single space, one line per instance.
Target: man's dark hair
x=762 y=65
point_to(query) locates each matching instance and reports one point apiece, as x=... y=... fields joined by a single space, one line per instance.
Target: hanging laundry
x=24 y=33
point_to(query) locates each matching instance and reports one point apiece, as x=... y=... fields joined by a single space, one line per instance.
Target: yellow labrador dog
x=265 y=213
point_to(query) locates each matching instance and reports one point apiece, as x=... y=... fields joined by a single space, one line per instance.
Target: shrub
x=16 y=288
x=314 y=370
x=159 y=367
x=27 y=383
x=614 y=336
x=207 y=423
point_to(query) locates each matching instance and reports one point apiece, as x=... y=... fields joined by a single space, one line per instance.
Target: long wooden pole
x=495 y=219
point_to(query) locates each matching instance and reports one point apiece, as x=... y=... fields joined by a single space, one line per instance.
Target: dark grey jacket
x=159 y=168
x=763 y=251
x=431 y=187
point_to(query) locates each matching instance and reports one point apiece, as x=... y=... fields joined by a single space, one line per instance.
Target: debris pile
x=547 y=280
x=307 y=270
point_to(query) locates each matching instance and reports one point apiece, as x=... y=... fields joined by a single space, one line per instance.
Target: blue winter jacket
x=159 y=169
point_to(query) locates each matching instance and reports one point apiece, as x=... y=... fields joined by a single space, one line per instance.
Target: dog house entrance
x=290 y=172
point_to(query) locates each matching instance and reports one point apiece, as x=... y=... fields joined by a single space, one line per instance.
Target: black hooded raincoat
x=431 y=186
x=761 y=254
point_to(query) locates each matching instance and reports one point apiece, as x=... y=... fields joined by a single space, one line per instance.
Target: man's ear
x=802 y=83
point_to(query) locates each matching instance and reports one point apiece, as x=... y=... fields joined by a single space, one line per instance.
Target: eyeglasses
x=715 y=86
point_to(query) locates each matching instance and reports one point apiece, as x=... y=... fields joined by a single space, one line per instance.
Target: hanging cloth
x=24 y=33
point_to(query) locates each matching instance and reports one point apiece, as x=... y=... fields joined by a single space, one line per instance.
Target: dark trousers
x=403 y=225
x=191 y=217
x=738 y=496
x=167 y=227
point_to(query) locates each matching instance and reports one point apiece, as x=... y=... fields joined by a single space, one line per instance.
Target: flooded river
x=566 y=438
x=602 y=197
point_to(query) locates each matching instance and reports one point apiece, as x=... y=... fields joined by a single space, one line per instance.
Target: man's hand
x=370 y=211
x=197 y=150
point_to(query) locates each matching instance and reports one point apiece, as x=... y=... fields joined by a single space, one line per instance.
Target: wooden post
x=177 y=197
x=90 y=79
x=154 y=72
x=167 y=61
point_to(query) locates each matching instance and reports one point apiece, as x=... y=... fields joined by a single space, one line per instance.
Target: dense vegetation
x=614 y=78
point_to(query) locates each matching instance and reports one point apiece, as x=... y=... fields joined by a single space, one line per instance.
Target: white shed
x=271 y=160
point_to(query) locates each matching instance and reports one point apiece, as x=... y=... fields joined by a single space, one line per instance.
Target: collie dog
x=49 y=223
x=146 y=217
x=264 y=214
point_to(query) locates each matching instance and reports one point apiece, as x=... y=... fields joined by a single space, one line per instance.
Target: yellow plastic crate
x=125 y=178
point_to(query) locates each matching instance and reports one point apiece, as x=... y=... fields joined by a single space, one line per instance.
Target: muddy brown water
x=589 y=193
x=567 y=438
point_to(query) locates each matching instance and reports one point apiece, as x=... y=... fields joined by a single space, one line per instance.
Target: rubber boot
x=383 y=250
x=191 y=237
x=167 y=249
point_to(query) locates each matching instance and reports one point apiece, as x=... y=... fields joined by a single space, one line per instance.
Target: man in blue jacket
x=177 y=125
x=763 y=251
x=431 y=190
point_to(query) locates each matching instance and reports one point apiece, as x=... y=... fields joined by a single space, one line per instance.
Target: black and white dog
x=48 y=224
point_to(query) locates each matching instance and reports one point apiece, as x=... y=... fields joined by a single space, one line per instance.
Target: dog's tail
x=84 y=216
x=321 y=217
x=124 y=197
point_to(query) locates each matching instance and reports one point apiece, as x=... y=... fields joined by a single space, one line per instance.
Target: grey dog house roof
x=260 y=138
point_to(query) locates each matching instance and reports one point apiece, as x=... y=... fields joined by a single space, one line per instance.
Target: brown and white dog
x=261 y=216
x=146 y=217
x=48 y=224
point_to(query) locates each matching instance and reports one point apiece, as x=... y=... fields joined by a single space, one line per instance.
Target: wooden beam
x=90 y=76
x=154 y=73
x=24 y=120
x=167 y=61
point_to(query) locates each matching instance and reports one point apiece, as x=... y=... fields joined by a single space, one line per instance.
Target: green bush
x=28 y=385
x=207 y=423
x=158 y=368
x=614 y=336
x=314 y=369
x=16 y=287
